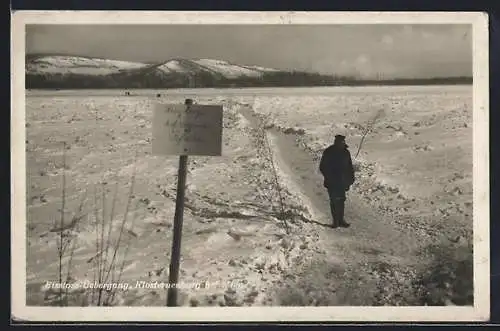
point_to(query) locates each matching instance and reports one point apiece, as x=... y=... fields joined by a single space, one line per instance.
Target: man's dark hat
x=188 y=102
x=339 y=137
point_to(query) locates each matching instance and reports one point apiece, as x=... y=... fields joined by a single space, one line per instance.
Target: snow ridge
x=61 y=64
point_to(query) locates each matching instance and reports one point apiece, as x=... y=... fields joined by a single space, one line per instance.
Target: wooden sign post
x=173 y=275
x=184 y=130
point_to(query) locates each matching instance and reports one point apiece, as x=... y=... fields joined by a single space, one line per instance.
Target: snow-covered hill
x=217 y=67
x=60 y=64
x=78 y=65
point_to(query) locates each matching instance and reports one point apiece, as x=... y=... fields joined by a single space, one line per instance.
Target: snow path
x=372 y=239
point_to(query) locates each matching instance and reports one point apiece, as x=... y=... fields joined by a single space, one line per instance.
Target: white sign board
x=187 y=130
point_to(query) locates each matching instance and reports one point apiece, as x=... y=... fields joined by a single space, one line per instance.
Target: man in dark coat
x=338 y=172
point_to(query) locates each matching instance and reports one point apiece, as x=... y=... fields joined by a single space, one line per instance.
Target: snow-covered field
x=413 y=189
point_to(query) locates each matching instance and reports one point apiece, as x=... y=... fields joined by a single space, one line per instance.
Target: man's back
x=336 y=166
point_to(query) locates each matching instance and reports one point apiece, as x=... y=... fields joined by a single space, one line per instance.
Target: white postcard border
x=479 y=312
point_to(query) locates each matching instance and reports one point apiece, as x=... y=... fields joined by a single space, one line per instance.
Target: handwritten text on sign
x=187 y=130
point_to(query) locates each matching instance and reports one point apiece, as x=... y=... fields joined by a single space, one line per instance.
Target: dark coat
x=336 y=167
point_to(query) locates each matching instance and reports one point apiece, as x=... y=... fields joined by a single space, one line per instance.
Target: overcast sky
x=367 y=50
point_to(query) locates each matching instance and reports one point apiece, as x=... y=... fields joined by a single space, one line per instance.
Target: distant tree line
x=153 y=79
